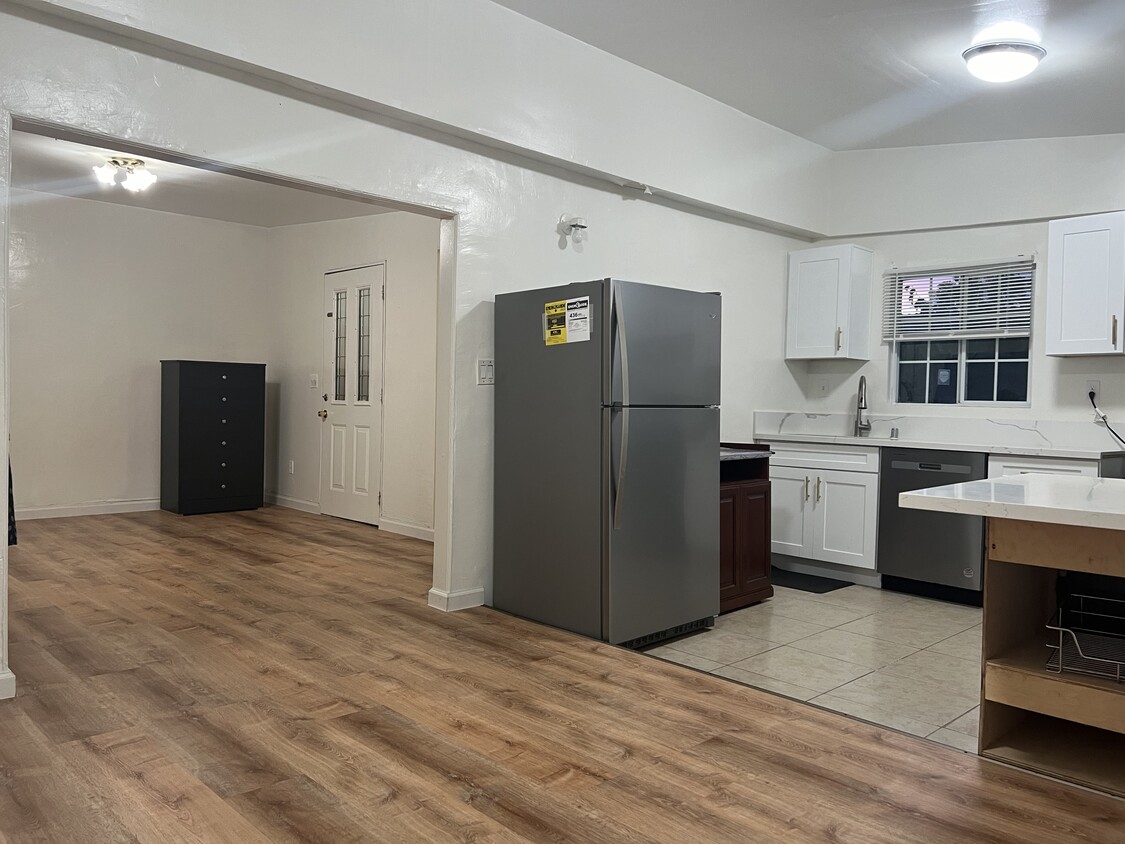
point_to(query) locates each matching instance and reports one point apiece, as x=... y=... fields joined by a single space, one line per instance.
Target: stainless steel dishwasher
x=936 y=554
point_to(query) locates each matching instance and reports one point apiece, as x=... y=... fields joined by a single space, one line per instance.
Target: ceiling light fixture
x=137 y=176
x=1003 y=61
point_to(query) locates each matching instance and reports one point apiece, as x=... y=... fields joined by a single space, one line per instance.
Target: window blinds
x=978 y=300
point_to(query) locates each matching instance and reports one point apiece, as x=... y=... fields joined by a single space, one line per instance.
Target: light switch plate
x=486 y=371
x=314 y=380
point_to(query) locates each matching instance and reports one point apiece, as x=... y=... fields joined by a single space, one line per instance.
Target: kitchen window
x=960 y=335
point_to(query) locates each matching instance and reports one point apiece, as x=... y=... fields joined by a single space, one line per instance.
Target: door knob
x=323 y=414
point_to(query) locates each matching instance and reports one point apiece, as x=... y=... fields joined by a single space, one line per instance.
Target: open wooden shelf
x=1020 y=679
x=1061 y=748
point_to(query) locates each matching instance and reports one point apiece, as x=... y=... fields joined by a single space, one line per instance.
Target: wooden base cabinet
x=744 y=547
x=744 y=526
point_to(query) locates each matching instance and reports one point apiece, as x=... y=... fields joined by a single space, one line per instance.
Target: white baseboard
x=407 y=529
x=59 y=511
x=862 y=577
x=453 y=601
x=292 y=503
x=7 y=684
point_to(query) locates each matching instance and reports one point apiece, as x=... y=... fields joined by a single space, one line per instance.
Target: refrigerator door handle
x=621 y=345
x=622 y=460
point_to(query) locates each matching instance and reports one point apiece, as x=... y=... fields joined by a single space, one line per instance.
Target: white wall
x=99 y=294
x=298 y=257
x=1057 y=389
x=970 y=185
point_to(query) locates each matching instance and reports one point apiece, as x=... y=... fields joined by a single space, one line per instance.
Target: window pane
x=978 y=381
x=1014 y=347
x=912 y=382
x=912 y=351
x=1011 y=382
x=363 y=369
x=980 y=349
x=341 y=344
x=944 y=350
x=943 y=382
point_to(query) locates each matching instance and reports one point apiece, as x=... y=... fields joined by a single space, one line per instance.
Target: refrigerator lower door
x=662 y=521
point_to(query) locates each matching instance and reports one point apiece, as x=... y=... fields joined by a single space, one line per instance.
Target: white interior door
x=351 y=431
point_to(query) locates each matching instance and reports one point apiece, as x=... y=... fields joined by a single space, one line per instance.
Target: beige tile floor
x=909 y=663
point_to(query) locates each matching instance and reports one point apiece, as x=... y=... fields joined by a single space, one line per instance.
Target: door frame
x=382 y=379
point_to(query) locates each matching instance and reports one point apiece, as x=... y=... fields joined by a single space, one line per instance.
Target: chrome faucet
x=862 y=426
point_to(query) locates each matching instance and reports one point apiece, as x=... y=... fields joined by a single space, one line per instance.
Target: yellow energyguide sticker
x=554 y=314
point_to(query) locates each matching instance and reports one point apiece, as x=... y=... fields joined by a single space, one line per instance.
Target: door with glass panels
x=351 y=423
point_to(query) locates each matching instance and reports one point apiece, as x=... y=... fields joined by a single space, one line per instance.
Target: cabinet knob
x=224 y=442
x=222 y=486
x=222 y=465
x=224 y=378
x=224 y=398
x=224 y=421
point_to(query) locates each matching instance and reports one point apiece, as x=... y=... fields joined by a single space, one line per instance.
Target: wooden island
x=1039 y=530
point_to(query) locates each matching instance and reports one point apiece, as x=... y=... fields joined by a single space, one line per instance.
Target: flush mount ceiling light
x=1003 y=61
x=137 y=176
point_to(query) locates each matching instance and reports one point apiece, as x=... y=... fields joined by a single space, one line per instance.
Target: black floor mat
x=805 y=582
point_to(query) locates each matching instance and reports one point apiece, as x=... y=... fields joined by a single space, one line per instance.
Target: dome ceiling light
x=1003 y=61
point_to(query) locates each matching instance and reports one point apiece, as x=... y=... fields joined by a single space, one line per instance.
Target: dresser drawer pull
x=223 y=486
x=224 y=398
x=224 y=378
x=224 y=442
x=224 y=421
x=223 y=465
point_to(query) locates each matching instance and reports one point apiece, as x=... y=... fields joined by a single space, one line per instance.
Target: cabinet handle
x=1115 y=331
x=806 y=487
x=839 y=337
x=818 y=489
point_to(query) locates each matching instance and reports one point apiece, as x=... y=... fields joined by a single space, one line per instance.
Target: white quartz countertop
x=1055 y=499
x=1076 y=439
x=903 y=442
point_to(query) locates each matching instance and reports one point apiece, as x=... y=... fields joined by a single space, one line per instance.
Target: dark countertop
x=741 y=454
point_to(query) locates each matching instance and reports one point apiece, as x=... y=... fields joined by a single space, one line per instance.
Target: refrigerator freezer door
x=662 y=519
x=665 y=346
x=547 y=528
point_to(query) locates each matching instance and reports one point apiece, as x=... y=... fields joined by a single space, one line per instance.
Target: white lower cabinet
x=825 y=514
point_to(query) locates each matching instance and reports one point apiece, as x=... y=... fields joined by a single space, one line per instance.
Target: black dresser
x=212 y=430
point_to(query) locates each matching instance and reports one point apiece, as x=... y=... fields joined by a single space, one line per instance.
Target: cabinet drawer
x=853 y=458
x=1001 y=465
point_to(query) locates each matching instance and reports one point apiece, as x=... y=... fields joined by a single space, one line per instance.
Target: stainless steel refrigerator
x=606 y=472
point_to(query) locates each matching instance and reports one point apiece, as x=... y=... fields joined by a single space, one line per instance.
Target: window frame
x=961 y=373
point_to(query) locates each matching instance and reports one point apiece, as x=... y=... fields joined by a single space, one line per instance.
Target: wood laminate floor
x=276 y=676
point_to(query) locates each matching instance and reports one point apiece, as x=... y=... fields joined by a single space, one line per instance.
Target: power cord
x=1104 y=418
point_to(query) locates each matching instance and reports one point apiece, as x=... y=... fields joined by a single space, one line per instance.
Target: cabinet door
x=791 y=493
x=728 y=541
x=843 y=518
x=1086 y=285
x=812 y=326
x=754 y=540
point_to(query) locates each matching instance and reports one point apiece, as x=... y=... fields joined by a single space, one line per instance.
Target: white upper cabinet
x=828 y=305
x=1086 y=285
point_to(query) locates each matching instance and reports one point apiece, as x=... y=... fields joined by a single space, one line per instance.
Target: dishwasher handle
x=916 y=466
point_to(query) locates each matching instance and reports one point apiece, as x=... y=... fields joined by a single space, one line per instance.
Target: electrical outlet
x=1094 y=387
x=290 y=467
x=486 y=371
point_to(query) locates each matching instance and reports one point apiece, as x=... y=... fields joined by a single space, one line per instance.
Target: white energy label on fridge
x=578 y=319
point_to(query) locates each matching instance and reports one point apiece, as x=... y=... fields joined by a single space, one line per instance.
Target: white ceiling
x=65 y=167
x=857 y=74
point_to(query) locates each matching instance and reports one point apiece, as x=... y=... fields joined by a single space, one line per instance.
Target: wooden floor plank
x=278 y=676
